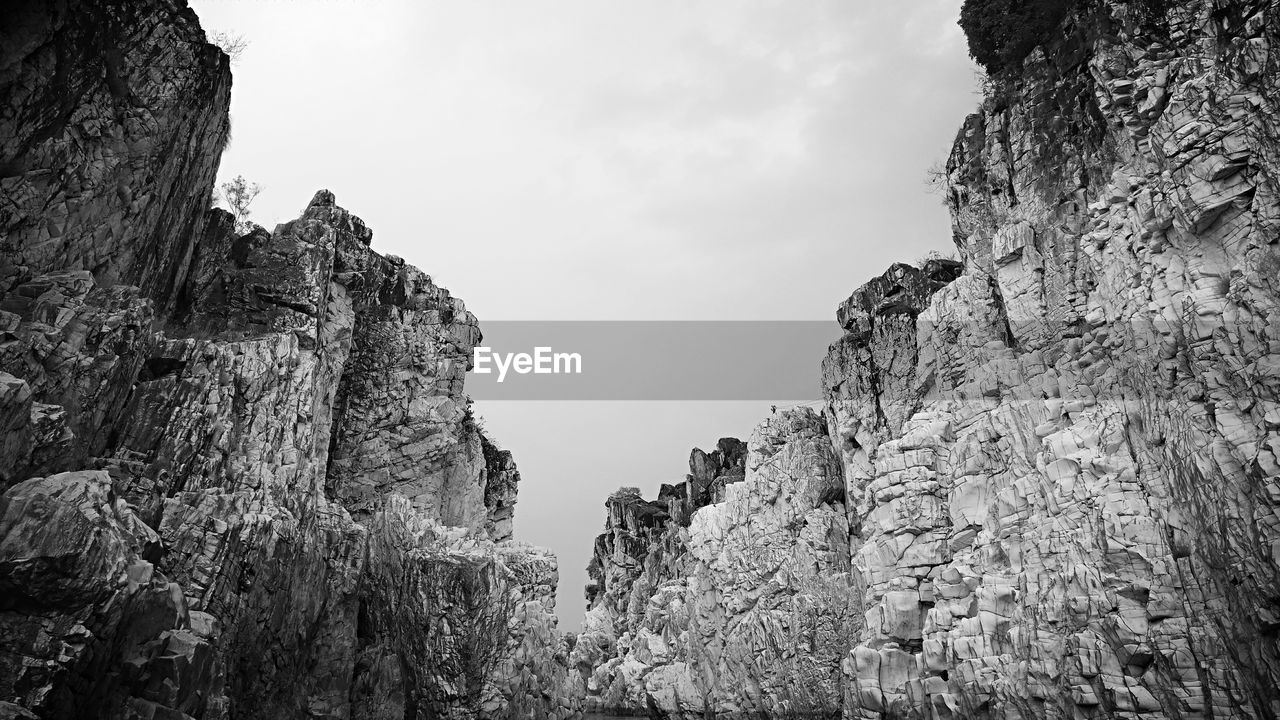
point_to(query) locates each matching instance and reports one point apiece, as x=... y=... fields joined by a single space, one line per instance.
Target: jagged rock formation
x=241 y=478
x=740 y=607
x=1061 y=463
x=643 y=548
x=1062 y=470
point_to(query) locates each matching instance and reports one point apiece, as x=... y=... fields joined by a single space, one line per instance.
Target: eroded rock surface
x=743 y=609
x=1060 y=458
x=1066 y=505
x=240 y=475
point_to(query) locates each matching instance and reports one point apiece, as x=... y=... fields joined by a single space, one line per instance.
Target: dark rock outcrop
x=111 y=131
x=241 y=478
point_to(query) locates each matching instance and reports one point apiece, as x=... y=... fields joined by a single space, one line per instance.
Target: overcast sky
x=601 y=159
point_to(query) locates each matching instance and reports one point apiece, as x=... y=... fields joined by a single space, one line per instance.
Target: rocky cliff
x=1059 y=459
x=240 y=474
x=739 y=605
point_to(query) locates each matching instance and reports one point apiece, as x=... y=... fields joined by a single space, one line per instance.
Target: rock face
x=1060 y=460
x=110 y=135
x=1062 y=465
x=240 y=475
x=743 y=608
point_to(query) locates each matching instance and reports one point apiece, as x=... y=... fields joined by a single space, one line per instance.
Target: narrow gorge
x=241 y=476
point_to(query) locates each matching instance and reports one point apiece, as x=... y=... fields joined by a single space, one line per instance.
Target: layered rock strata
x=1060 y=458
x=240 y=475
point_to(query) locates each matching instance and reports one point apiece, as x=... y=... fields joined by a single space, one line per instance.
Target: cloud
x=792 y=124
x=605 y=159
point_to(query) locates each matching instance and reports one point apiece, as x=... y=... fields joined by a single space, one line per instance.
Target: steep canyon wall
x=1059 y=458
x=240 y=475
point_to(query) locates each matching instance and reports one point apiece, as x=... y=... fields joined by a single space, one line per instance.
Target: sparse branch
x=935 y=255
x=236 y=195
x=233 y=44
x=935 y=179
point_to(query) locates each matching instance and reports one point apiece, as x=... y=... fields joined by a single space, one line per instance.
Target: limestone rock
x=241 y=477
x=743 y=612
x=1058 y=462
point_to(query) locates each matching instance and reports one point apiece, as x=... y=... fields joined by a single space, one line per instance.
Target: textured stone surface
x=241 y=477
x=744 y=611
x=110 y=134
x=1060 y=459
x=1061 y=465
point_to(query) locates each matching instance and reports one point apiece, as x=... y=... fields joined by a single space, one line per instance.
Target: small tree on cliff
x=230 y=43
x=236 y=195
